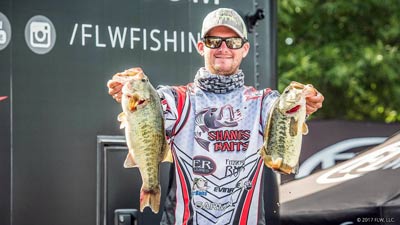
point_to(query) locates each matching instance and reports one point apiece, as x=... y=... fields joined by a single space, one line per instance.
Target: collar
x=218 y=84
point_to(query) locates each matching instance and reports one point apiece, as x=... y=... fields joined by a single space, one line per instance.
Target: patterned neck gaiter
x=218 y=84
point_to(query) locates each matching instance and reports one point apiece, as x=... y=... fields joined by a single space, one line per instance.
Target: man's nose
x=223 y=46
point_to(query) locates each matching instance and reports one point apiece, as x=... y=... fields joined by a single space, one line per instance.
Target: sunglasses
x=216 y=42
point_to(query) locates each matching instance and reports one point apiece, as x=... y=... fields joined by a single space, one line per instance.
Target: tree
x=349 y=50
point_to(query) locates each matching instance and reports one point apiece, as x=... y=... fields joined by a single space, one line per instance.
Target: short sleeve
x=268 y=100
x=168 y=102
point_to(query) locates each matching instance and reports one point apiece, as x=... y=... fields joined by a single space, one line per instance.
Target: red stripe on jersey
x=185 y=193
x=181 y=91
x=266 y=91
x=246 y=207
x=180 y=105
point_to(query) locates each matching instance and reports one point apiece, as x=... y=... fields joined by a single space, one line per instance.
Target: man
x=215 y=128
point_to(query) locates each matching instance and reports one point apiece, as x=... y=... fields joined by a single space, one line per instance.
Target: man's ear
x=200 y=48
x=246 y=48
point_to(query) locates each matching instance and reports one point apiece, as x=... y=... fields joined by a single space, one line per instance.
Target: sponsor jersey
x=215 y=141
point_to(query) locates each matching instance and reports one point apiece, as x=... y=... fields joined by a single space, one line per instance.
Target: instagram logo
x=3 y=34
x=40 y=34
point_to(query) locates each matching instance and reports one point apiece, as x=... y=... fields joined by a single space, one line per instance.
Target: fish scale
x=147 y=132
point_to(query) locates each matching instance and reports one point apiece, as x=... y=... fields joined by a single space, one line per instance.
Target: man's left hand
x=313 y=102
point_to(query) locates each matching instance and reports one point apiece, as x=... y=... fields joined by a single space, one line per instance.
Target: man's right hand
x=117 y=82
x=115 y=89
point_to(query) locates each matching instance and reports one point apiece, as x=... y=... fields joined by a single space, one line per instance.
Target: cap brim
x=224 y=25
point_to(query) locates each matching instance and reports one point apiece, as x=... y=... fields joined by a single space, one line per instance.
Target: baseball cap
x=224 y=17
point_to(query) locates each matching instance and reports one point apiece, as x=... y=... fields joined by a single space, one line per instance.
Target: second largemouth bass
x=285 y=128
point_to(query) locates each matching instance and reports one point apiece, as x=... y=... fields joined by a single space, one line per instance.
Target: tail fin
x=167 y=157
x=150 y=198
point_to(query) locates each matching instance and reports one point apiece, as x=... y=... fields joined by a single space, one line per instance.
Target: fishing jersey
x=215 y=141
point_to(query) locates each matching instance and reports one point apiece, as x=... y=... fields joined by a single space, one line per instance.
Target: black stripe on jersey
x=243 y=197
x=189 y=187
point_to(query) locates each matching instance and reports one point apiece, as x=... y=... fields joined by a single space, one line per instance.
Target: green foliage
x=349 y=50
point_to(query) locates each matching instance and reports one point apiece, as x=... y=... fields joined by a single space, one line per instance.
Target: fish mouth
x=137 y=103
x=294 y=109
x=141 y=101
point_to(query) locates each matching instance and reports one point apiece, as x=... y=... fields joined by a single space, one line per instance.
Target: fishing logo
x=244 y=184
x=210 y=132
x=234 y=167
x=199 y=187
x=212 y=205
x=203 y=165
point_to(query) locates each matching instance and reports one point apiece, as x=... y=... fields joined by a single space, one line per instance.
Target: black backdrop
x=362 y=190
x=58 y=101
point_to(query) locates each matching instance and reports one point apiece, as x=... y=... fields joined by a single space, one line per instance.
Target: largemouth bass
x=285 y=128
x=143 y=121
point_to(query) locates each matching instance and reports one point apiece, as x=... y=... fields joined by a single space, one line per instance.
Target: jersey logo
x=203 y=165
x=209 y=132
x=200 y=187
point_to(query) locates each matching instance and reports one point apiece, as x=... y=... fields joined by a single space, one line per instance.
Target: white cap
x=224 y=17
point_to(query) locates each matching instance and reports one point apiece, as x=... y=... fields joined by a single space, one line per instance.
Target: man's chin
x=220 y=70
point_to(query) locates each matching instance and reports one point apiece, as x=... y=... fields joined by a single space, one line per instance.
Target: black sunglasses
x=216 y=42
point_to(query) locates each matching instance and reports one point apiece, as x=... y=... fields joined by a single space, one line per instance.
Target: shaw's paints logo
x=208 y=132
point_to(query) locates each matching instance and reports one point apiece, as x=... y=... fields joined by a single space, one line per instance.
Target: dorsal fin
x=305 y=129
x=130 y=161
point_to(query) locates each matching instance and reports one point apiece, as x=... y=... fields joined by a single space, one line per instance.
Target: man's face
x=222 y=60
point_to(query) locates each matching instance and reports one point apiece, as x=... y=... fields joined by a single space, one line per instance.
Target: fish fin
x=130 y=161
x=262 y=151
x=295 y=169
x=122 y=118
x=297 y=85
x=293 y=127
x=151 y=199
x=273 y=163
x=226 y=124
x=168 y=154
x=204 y=128
x=305 y=129
x=203 y=143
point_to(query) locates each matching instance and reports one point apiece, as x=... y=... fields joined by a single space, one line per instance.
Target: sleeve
x=168 y=102
x=268 y=100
